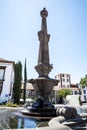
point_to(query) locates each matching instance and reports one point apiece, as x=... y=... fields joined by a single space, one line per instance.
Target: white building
x=64 y=80
x=6 y=79
x=83 y=92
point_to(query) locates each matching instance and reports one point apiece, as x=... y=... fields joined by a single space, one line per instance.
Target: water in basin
x=9 y=120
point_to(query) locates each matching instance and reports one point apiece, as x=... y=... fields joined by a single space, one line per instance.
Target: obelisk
x=43 y=67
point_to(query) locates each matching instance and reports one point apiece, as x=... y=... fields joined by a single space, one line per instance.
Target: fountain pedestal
x=43 y=86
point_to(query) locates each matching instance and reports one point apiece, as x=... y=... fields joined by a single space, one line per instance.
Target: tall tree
x=25 y=80
x=62 y=93
x=17 y=82
x=83 y=81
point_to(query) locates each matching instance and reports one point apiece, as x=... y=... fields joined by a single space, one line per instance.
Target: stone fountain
x=43 y=84
x=65 y=118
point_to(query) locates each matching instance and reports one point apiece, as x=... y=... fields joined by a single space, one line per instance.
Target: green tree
x=17 y=82
x=25 y=81
x=83 y=81
x=64 y=92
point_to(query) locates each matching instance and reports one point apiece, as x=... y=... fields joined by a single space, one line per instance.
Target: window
x=30 y=91
x=63 y=80
x=76 y=92
x=67 y=75
x=2 y=72
x=63 y=86
x=1 y=86
x=84 y=91
x=67 y=80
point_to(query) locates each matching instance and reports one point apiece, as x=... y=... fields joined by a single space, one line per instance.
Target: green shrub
x=10 y=104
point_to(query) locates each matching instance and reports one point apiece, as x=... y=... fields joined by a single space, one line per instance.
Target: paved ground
x=14 y=108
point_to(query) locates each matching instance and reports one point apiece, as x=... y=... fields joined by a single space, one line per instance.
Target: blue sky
x=67 y=24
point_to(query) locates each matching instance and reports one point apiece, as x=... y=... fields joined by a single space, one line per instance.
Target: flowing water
x=10 y=120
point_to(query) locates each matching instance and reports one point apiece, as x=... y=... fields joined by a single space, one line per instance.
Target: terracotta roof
x=73 y=86
x=29 y=86
x=56 y=87
x=6 y=61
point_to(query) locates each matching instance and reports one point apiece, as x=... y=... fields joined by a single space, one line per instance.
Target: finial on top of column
x=44 y=13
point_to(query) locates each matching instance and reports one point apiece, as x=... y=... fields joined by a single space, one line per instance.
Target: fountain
x=63 y=118
x=43 y=84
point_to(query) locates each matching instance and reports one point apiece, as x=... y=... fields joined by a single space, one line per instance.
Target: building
x=6 y=79
x=74 y=88
x=65 y=83
x=64 y=80
x=83 y=94
x=30 y=91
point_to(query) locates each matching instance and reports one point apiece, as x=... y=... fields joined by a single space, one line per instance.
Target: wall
x=72 y=100
x=8 y=81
